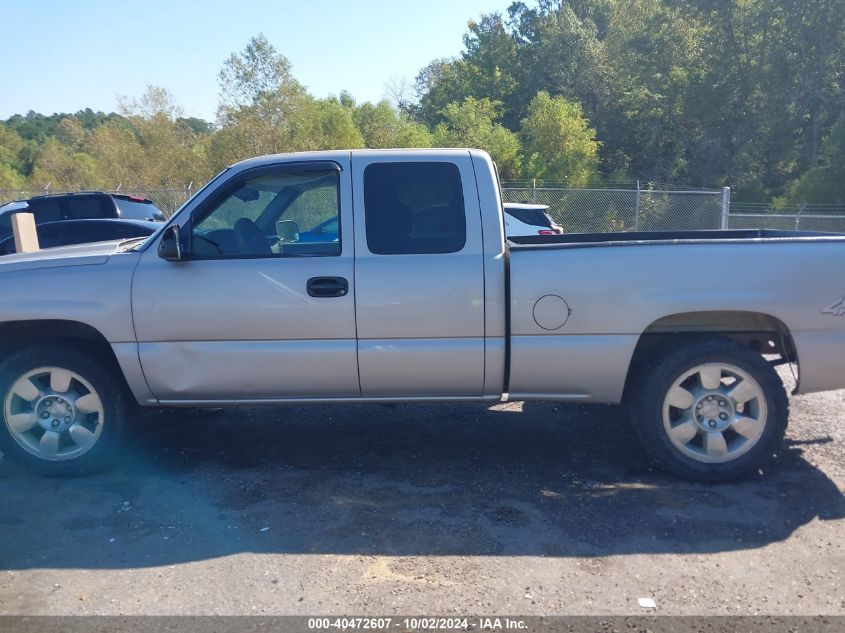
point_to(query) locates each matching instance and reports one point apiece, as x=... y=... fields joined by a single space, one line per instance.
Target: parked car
x=87 y=205
x=67 y=232
x=420 y=298
x=529 y=219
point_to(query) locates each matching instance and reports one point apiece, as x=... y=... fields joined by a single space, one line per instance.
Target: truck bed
x=574 y=240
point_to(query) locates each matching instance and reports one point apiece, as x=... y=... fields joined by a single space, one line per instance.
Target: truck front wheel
x=709 y=410
x=62 y=410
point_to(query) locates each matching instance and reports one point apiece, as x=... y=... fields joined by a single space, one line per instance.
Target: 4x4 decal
x=837 y=309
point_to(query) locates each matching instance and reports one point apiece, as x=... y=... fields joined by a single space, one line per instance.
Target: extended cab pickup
x=385 y=276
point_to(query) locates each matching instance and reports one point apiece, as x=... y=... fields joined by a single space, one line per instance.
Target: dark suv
x=86 y=205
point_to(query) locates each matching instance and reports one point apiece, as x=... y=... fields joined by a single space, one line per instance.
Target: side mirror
x=170 y=246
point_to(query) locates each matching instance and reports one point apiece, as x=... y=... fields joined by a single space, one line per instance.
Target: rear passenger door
x=419 y=275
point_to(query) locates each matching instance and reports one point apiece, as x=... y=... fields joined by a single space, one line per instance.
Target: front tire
x=62 y=411
x=709 y=410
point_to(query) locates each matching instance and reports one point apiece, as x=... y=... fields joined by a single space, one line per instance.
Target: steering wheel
x=213 y=244
x=249 y=238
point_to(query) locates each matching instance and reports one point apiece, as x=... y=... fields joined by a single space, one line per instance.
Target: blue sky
x=63 y=56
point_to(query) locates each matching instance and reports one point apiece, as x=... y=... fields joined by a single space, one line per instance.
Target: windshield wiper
x=128 y=245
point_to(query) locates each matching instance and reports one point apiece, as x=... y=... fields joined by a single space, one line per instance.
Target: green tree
x=10 y=178
x=559 y=143
x=383 y=126
x=174 y=154
x=11 y=146
x=119 y=156
x=336 y=127
x=257 y=70
x=824 y=183
x=474 y=123
x=61 y=167
x=263 y=109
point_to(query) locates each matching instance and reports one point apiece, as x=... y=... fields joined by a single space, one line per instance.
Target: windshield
x=137 y=210
x=142 y=246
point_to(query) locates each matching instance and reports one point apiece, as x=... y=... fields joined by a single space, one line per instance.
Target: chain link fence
x=807 y=217
x=613 y=210
x=599 y=210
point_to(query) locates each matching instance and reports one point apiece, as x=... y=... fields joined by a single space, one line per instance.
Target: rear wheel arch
x=761 y=332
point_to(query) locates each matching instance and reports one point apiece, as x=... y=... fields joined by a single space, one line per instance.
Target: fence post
x=534 y=191
x=726 y=206
x=637 y=208
x=798 y=216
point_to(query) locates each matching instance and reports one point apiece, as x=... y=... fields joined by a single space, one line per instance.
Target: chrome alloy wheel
x=53 y=413
x=714 y=413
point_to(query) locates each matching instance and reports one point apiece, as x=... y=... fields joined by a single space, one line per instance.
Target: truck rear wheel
x=709 y=410
x=62 y=411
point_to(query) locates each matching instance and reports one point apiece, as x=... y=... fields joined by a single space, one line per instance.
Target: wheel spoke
x=88 y=403
x=26 y=390
x=82 y=436
x=22 y=422
x=747 y=427
x=743 y=391
x=679 y=398
x=715 y=445
x=684 y=432
x=60 y=380
x=49 y=444
x=710 y=376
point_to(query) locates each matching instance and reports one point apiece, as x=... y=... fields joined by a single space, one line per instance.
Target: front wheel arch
x=91 y=396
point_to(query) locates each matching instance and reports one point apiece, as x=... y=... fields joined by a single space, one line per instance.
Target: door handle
x=327 y=287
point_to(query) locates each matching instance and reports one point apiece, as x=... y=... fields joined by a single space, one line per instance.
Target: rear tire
x=708 y=410
x=62 y=411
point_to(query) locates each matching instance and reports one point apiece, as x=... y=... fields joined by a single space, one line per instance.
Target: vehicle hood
x=61 y=256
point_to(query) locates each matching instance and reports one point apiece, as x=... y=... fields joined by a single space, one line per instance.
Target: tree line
x=744 y=93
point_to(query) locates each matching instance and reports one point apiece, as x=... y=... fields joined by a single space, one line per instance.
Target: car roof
x=120 y=196
x=343 y=155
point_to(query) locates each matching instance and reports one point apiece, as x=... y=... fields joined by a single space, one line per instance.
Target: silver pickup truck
x=385 y=276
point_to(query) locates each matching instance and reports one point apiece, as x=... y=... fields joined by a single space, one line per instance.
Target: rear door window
x=414 y=208
x=534 y=217
x=88 y=207
x=45 y=210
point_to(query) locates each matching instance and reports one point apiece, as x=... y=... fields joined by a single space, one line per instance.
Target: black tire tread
x=101 y=376
x=653 y=374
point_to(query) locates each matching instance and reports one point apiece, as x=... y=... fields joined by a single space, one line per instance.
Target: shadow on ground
x=548 y=480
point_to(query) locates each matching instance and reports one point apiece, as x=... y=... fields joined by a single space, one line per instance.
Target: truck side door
x=419 y=275
x=264 y=307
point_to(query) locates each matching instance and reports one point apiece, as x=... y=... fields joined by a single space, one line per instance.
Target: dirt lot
x=522 y=509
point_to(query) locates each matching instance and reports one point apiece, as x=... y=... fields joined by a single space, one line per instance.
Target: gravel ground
x=517 y=508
